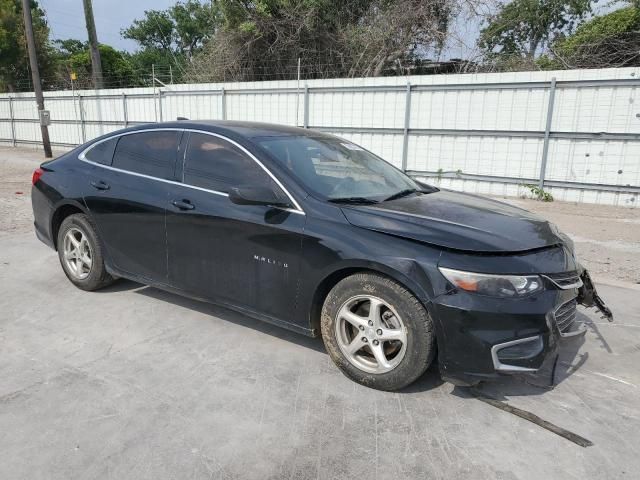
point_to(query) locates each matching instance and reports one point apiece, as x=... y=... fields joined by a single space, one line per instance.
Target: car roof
x=244 y=129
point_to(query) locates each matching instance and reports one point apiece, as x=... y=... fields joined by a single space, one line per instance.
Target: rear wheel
x=80 y=253
x=377 y=332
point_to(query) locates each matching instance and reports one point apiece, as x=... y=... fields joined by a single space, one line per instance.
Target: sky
x=66 y=18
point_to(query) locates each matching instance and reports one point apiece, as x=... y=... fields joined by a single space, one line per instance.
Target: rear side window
x=148 y=153
x=102 y=152
x=215 y=164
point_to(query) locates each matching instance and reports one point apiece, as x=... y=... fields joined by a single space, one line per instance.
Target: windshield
x=336 y=169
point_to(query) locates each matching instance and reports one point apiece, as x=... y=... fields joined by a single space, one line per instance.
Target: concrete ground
x=133 y=382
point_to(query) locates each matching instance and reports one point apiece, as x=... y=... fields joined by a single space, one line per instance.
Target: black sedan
x=314 y=233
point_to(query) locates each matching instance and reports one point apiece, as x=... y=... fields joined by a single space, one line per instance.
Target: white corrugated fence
x=487 y=133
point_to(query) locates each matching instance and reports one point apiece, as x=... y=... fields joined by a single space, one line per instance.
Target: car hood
x=458 y=221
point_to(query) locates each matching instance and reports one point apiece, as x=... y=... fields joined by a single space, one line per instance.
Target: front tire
x=377 y=332
x=80 y=253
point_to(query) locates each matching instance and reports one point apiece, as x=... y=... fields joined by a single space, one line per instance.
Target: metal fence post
x=13 y=124
x=125 y=114
x=223 y=103
x=82 y=126
x=405 y=132
x=306 y=107
x=160 y=103
x=547 y=132
x=153 y=83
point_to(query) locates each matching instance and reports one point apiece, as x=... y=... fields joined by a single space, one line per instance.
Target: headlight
x=493 y=285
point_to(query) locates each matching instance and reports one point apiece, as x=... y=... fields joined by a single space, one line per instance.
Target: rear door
x=246 y=255
x=129 y=199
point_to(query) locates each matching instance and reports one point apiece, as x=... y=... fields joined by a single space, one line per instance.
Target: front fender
x=406 y=271
x=410 y=273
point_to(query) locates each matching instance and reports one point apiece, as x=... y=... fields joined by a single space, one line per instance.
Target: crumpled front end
x=482 y=337
x=588 y=296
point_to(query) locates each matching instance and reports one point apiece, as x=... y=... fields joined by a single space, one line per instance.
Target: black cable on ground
x=531 y=417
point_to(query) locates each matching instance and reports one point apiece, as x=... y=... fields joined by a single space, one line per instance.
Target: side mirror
x=256 y=196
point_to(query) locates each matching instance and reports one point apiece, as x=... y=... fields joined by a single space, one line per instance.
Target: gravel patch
x=16 y=167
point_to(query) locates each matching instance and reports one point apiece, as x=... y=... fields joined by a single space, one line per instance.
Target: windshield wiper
x=354 y=200
x=402 y=193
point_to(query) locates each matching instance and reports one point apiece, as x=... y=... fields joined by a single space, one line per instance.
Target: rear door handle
x=100 y=185
x=183 y=204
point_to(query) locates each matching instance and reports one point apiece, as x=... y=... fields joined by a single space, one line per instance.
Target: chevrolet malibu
x=316 y=234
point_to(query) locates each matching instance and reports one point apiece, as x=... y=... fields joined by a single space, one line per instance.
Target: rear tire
x=387 y=348
x=80 y=253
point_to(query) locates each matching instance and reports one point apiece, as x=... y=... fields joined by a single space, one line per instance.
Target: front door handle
x=183 y=204
x=100 y=185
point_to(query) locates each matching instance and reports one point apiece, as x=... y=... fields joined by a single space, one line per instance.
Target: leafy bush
x=611 y=40
x=539 y=193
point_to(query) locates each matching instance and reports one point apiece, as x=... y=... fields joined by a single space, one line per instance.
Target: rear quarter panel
x=64 y=182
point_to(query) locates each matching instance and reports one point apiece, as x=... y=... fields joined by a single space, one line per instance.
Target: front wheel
x=80 y=253
x=377 y=332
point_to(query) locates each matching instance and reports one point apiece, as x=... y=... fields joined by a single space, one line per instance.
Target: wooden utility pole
x=35 y=76
x=96 y=64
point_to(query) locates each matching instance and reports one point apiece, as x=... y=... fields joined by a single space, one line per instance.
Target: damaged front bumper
x=487 y=337
x=588 y=296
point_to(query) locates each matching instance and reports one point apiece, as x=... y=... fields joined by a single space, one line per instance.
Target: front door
x=244 y=255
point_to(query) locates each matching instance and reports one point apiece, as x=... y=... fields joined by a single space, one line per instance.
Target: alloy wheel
x=370 y=334
x=78 y=256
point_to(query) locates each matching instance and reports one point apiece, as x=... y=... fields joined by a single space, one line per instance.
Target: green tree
x=262 y=39
x=610 y=40
x=195 y=23
x=14 y=58
x=180 y=30
x=116 y=68
x=168 y=66
x=523 y=29
x=73 y=56
x=156 y=30
x=70 y=46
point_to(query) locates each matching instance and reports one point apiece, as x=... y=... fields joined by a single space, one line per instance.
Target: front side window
x=148 y=153
x=216 y=164
x=102 y=152
x=334 y=169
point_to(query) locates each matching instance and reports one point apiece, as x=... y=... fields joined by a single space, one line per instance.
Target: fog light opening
x=522 y=349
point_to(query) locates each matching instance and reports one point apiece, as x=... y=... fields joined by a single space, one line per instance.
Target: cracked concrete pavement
x=133 y=382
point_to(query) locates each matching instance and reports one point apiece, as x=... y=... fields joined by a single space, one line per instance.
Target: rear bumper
x=42 y=236
x=483 y=338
